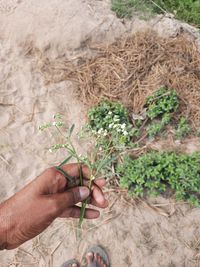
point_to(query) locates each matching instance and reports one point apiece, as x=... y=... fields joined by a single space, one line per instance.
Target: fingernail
x=100 y=199
x=84 y=192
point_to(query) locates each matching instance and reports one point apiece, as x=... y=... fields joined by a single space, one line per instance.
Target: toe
x=90 y=257
x=101 y=261
x=96 y=256
x=74 y=265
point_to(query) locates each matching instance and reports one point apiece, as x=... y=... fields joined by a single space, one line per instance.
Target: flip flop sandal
x=101 y=252
x=67 y=263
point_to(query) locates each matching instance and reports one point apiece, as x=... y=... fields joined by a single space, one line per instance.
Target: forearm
x=6 y=226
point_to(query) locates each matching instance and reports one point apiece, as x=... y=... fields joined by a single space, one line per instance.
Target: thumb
x=70 y=198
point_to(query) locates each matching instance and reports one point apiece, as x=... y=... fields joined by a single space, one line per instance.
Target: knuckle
x=51 y=170
x=75 y=196
x=54 y=206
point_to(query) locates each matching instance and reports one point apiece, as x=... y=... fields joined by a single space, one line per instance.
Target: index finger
x=73 y=169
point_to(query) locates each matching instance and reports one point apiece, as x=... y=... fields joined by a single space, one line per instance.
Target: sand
x=134 y=235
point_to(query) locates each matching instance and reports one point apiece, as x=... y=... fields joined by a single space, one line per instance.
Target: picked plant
x=96 y=162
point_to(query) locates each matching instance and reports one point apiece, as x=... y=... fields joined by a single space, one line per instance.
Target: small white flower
x=100 y=131
x=50 y=150
x=123 y=126
x=125 y=133
x=104 y=134
x=110 y=112
x=54 y=123
x=100 y=149
x=110 y=126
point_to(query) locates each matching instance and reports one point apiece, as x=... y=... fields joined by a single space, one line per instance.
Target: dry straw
x=131 y=69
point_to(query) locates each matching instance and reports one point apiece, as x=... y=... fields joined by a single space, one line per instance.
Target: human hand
x=37 y=205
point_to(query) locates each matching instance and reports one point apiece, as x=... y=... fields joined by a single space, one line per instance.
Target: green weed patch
x=157 y=173
x=185 y=10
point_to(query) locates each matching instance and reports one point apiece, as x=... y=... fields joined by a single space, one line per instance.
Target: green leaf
x=105 y=162
x=64 y=161
x=71 y=130
x=69 y=177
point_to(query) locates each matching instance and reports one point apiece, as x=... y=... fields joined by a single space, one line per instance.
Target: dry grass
x=132 y=68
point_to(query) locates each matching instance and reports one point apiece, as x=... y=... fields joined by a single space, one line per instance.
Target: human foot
x=73 y=265
x=70 y=263
x=95 y=260
x=96 y=257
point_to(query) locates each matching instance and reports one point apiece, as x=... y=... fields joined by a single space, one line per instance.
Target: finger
x=100 y=182
x=59 y=202
x=73 y=169
x=96 y=204
x=98 y=198
x=50 y=181
x=75 y=212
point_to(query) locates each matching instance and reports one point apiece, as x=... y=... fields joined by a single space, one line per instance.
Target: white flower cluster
x=44 y=126
x=58 y=123
x=57 y=146
x=115 y=125
x=49 y=124
x=120 y=128
x=100 y=132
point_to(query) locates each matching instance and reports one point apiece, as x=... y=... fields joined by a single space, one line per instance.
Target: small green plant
x=109 y=123
x=126 y=8
x=183 y=128
x=186 y=10
x=96 y=162
x=162 y=102
x=155 y=128
x=156 y=173
x=160 y=107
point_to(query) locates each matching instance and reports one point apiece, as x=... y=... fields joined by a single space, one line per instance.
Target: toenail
x=90 y=255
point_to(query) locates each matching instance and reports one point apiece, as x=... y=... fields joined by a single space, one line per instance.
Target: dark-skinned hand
x=49 y=196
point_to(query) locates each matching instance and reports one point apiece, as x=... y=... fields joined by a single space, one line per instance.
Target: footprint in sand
x=7 y=6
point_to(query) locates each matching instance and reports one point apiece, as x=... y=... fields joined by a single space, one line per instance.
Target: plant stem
x=84 y=204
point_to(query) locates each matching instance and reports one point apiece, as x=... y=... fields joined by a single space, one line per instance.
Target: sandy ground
x=134 y=235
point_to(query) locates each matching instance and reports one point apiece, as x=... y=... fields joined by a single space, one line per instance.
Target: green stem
x=84 y=204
